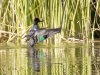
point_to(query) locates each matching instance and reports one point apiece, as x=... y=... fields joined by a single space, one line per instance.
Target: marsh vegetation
x=78 y=19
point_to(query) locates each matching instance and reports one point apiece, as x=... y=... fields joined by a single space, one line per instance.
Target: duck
x=33 y=29
x=37 y=34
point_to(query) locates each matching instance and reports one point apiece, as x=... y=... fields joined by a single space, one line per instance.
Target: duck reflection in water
x=34 y=59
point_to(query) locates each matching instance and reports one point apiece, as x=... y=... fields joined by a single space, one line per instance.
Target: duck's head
x=36 y=20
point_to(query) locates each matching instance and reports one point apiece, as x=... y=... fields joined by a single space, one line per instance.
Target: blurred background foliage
x=78 y=18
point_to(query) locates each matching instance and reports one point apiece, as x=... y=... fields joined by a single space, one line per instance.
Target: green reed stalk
x=72 y=16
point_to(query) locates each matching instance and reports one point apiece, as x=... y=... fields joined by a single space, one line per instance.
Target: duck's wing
x=40 y=32
x=54 y=31
x=46 y=33
x=30 y=34
x=49 y=32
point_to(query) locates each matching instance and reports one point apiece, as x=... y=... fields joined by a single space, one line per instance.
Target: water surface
x=67 y=59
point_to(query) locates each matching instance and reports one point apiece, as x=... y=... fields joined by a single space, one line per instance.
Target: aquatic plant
x=16 y=17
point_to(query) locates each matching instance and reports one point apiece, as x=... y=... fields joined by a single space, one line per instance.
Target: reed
x=73 y=16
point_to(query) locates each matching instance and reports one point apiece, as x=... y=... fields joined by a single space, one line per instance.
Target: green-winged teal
x=33 y=29
x=36 y=34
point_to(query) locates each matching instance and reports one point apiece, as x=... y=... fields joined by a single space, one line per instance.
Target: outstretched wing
x=46 y=33
x=51 y=32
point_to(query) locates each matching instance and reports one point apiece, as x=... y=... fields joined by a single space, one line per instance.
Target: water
x=67 y=59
